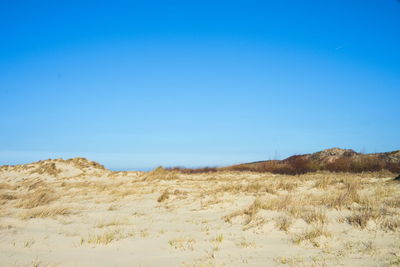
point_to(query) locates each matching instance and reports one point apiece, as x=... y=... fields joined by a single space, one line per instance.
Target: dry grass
x=106 y=237
x=160 y=173
x=7 y=186
x=250 y=187
x=324 y=182
x=314 y=216
x=362 y=216
x=311 y=235
x=182 y=243
x=45 y=212
x=39 y=197
x=219 y=238
x=302 y=207
x=7 y=196
x=164 y=196
x=283 y=222
x=245 y=243
x=390 y=224
x=101 y=239
x=48 y=168
x=113 y=222
x=341 y=198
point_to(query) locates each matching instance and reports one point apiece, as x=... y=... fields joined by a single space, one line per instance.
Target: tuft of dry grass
x=287 y=185
x=219 y=238
x=6 y=186
x=160 y=173
x=280 y=203
x=113 y=222
x=245 y=243
x=283 y=222
x=101 y=239
x=251 y=187
x=361 y=217
x=37 y=198
x=314 y=216
x=106 y=237
x=182 y=243
x=343 y=198
x=45 y=212
x=324 y=182
x=311 y=235
x=48 y=168
x=164 y=196
x=7 y=196
x=390 y=223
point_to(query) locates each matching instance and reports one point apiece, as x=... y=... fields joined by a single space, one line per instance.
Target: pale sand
x=87 y=216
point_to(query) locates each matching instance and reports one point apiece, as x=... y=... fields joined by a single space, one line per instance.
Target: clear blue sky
x=136 y=84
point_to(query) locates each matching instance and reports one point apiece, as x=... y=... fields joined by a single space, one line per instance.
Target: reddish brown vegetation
x=334 y=160
x=189 y=170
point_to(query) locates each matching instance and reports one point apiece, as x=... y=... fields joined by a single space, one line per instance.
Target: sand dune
x=77 y=213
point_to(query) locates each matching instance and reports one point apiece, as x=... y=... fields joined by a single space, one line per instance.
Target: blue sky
x=137 y=84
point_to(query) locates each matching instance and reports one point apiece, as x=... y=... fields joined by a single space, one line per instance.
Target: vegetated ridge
x=333 y=159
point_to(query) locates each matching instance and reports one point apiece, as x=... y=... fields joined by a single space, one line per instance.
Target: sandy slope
x=76 y=213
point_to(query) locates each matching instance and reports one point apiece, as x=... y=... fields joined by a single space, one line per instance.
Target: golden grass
x=7 y=196
x=283 y=222
x=311 y=235
x=37 y=198
x=164 y=196
x=219 y=238
x=314 y=216
x=362 y=216
x=160 y=173
x=48 y=168
x=106 y=237
x=250 y=187
x=182 y=243
x=391 y=223
x=101 y=239
x=45 y=212
x=6 y=186
x=113 y=222
x=245 y=243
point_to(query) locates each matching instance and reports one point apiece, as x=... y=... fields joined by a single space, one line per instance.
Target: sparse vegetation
x=283 y=222
x=122 y=210
x=164 y=196
x=40 y=197
x=182 y=243
x=311 y=235
x=45 y=212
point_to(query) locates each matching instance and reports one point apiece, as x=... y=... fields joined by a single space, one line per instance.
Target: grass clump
x=283 y=222
x=39 y=197
x=361 y=217
x=101 y=239
x=311 y=235
x=390 y=224
x=160 y=173
x=182 y=243
x=164 y=196
x=45 y=212
x=314 y=216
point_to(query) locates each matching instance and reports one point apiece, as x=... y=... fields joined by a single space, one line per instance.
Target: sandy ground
x=75 y=213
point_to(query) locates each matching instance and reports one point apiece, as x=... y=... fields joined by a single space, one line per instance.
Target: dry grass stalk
x=45 y=212
x=38 y=198
x=283 y=222
x=311 y=235
x=314 y=216
x=164 y=196
x=361 y=217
